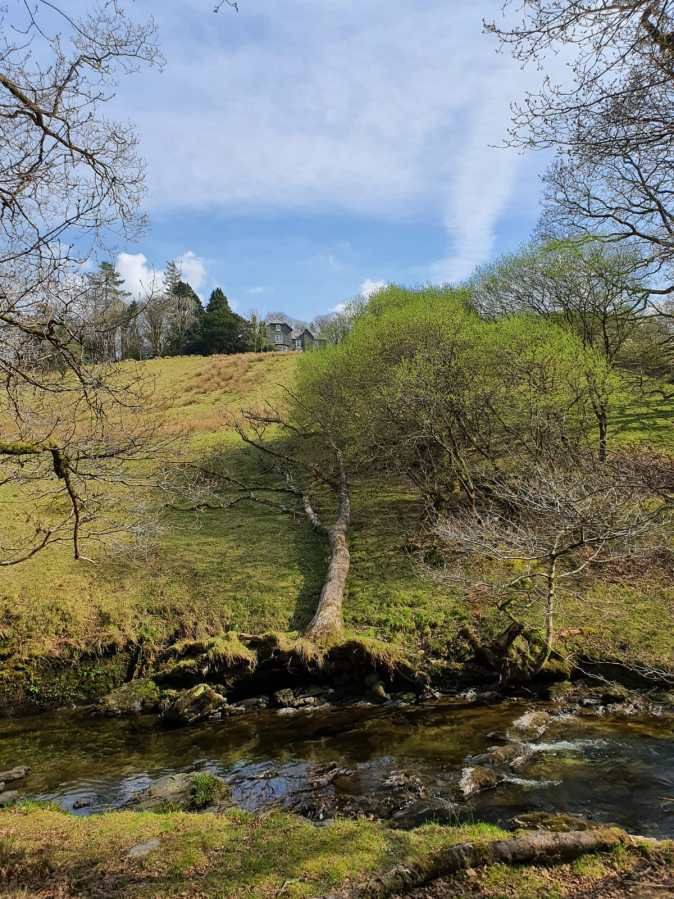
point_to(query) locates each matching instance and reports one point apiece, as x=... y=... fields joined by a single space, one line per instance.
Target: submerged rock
x=197 y=704
x=181 y=792
x=17 y=773
x=425 y=811
x=476 y=779
x=306 y=697
x=137 y=696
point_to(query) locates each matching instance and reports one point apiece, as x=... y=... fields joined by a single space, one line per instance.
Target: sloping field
x=252 y=571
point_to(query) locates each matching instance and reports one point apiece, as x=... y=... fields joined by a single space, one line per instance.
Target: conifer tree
x=222 y=331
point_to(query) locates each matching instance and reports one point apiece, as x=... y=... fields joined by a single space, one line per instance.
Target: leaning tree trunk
x=328 y=619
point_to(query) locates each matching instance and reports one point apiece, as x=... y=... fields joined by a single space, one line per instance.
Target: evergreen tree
x=222 y=331
x=172 y=277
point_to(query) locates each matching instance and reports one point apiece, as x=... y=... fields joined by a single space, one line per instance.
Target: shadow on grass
x=246 y=568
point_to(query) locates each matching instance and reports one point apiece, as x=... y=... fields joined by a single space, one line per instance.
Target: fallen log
x=534 y=848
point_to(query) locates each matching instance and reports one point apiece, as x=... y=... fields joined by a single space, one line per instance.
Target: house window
x=278 y=327
x=278 y=338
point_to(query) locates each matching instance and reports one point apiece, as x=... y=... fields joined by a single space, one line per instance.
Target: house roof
x=285 y=324
x=298 y=332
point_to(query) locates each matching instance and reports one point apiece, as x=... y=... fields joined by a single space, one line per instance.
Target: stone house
x=283 y=338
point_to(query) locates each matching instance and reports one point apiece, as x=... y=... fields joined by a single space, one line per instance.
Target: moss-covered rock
x=197 y=704
x=192 y=791
x=532 y=724
x=137 y=696
x=476 y=779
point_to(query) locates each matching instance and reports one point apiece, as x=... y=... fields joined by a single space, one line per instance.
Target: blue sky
x=301 y=151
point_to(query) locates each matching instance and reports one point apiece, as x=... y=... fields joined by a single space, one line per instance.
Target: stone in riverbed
x=254 y=703
x=512 y=755
x=141 y=695
x=476 y=779
x=532 y=724
x=17 y=773
x=9 y=797
x=184 y=791
x=197 y=704
x=425 y=811
x=306 y=697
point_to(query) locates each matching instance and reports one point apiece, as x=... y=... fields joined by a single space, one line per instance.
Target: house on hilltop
x=283 y=338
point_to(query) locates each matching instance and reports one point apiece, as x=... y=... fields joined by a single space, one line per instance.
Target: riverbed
x=361 y=759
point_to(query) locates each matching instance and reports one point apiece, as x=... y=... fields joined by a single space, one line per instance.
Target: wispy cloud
x=482 y=184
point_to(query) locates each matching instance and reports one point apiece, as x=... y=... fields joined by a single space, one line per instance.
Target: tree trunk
x=603 y=436
x=534 y=848
x=549 y=615
x=329 y=617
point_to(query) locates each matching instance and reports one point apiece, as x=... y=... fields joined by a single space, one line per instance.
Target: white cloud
x=140 y=278
x=192 y=268
x=368 y=287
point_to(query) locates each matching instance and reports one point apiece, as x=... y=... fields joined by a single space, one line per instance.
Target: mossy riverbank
x=47 y=853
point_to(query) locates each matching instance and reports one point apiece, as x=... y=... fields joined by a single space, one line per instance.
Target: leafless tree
x=589 y=287
x=611 y=126
x=69 y=179
x=538 y=534
x=156 y=318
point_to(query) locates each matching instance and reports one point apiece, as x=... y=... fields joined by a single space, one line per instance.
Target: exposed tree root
x=534 y=848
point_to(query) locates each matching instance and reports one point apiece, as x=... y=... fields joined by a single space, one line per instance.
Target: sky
x=303 y=152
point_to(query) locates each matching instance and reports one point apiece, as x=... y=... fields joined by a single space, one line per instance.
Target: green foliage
x=221 y=330
x=425 y=387
x=206 y=789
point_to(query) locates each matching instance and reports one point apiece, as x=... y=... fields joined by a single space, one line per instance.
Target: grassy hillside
x=241 y=569
x=253 y=571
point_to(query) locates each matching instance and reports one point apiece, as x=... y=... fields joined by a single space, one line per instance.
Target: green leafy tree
x=594 y=289
x=425 y=388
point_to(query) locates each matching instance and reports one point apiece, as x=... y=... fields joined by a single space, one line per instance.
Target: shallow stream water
x=609 y=770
